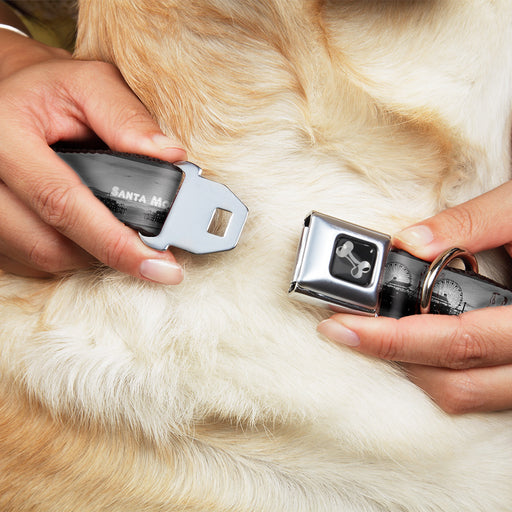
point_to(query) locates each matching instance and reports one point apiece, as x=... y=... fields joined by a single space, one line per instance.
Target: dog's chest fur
x=380 y=113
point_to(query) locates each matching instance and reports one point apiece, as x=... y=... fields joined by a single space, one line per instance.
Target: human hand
x=49 y=221
x=463 y=362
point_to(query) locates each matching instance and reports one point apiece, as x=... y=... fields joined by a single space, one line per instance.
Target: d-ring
x=435 y=269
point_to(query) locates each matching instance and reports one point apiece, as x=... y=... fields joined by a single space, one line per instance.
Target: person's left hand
x=463 y=362
x=50 y=221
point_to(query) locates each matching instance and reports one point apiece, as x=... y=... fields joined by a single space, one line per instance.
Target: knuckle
x=130 y=122
x=78 y=80
x=42 y=257
x=54 y=204
x=386 y=349
x=465 y=348
x=461 y=220
x=460 y=394
x=131 y=118
x=389 y=345
x=98 y=69
x=115 y=251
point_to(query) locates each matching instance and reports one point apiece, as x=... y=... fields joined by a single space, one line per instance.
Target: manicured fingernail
x=338 y=333
x=165 y=143
x=416 y=236
x=161 y=271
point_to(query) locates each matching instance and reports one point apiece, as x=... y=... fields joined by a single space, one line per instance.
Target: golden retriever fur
x=217 y=394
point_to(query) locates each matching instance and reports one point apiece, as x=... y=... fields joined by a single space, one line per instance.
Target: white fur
x=295 y=423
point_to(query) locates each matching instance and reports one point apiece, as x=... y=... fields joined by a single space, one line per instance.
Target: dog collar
x=348 y=268
x=169 y=204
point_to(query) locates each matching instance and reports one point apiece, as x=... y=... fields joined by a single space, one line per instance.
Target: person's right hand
x=464 y=362
x=49 y=221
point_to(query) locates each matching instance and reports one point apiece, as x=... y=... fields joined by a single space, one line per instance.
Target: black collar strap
x=339 y=265
x=356 y=270
x=169 y=204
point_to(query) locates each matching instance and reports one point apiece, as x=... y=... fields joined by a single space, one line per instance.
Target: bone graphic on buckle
x=358 y=267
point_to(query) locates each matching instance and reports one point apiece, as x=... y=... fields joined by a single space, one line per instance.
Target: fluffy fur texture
x=218 y=395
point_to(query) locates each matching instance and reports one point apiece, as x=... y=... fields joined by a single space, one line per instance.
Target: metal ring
x=435 y=269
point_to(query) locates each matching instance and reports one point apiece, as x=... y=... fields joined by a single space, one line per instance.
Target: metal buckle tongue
x=188 y=222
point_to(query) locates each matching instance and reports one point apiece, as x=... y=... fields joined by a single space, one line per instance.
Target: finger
x=118 y=117
x=63 y=103
x=463 y=391
x=31 y=243
x=480 y=224
x=59 y=198
x=17 y=53
x=477 y=338
x=52 y=190
x=14 y=267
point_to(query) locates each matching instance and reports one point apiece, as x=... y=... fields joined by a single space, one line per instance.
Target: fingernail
x=416 y=236
x=161 y=271
x=338 y=333
x=164 y=143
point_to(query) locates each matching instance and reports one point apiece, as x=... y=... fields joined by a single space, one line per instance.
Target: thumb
x=479 y=224
x=119 y=118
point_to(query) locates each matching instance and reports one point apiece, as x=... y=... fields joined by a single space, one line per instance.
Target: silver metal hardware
x=188 y=221
x=435 y=269
x=340 y=265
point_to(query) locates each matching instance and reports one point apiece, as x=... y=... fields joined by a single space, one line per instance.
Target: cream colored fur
x=217 y=394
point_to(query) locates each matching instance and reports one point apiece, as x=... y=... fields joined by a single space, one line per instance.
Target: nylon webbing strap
x=137 y=190
x=169 y=204
x=454 y=292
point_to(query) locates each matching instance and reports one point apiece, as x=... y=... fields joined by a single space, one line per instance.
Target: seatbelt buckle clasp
x=340 y=265
x=195 y=206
